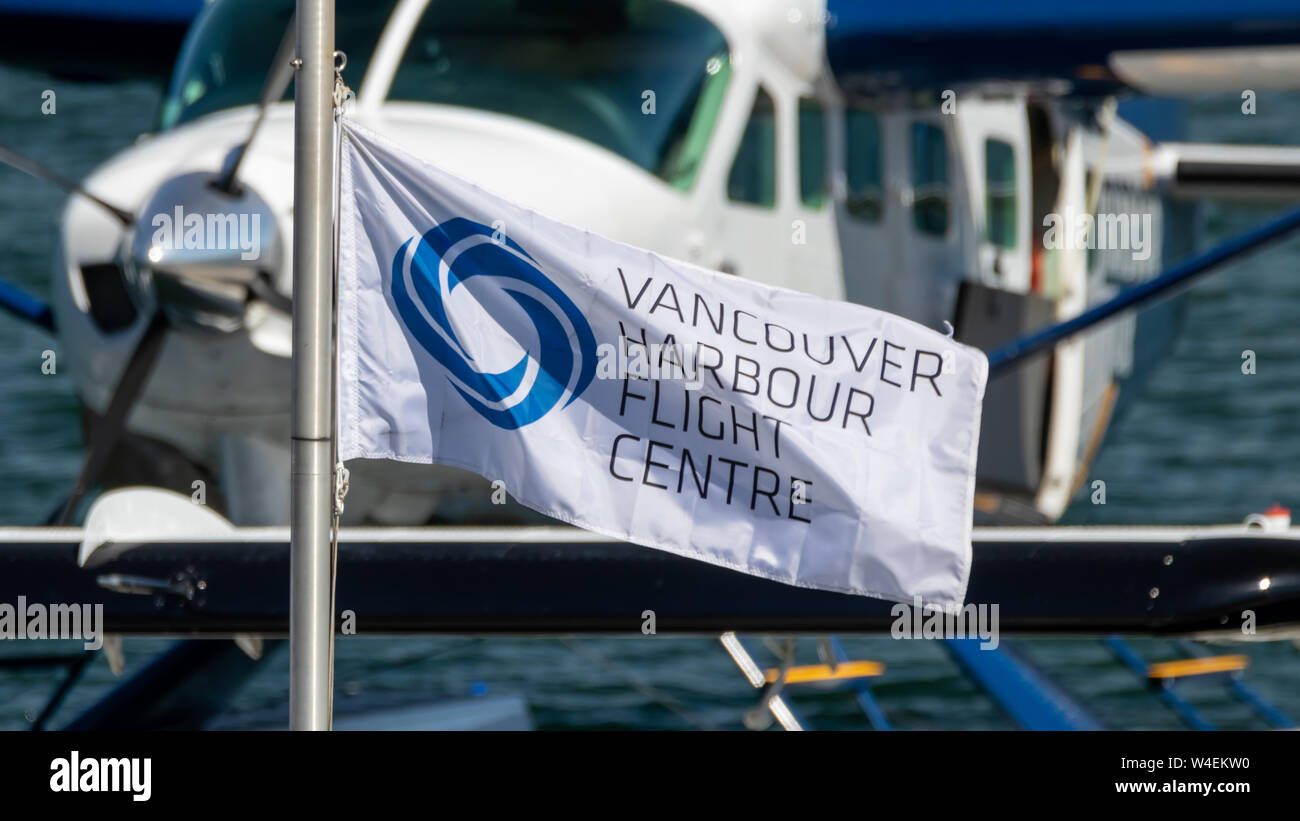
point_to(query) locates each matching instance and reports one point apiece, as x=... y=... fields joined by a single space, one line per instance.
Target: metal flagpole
x=311 y=623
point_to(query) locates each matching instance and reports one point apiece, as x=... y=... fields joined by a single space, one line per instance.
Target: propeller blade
x=277 y=82
x=104 y=438
x=42 y=172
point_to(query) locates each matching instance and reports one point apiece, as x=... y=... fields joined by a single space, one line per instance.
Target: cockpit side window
x=689 y=143
x=929 y=179
x=753 y=171
x=644 y=79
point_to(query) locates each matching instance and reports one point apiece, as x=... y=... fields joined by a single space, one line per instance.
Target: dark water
x=1203 y=444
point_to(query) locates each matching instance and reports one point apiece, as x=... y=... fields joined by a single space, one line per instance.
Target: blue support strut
x=25 y=306
x=1032 y=700
x=1017 y=351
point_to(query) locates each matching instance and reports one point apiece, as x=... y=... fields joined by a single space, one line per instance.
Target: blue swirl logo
x=560 y=360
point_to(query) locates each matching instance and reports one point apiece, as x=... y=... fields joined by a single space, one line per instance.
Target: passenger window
x=929 y=179
x=1000 y=196
x=866 y=199
x=753 y=171
x=812 y=153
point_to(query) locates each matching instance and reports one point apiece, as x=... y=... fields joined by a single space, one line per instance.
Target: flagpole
x=310 y=620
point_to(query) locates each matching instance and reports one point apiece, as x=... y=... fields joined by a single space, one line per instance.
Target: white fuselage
x=222 y=399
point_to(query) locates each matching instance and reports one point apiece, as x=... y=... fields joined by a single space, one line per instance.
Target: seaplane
x=748 y=137
x=990 y=170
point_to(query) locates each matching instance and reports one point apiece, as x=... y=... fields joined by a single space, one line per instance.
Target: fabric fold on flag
x=812 y=442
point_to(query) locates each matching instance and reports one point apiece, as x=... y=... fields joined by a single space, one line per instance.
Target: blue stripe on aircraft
x=930 y=42
x=144 y=11
x=962 y=16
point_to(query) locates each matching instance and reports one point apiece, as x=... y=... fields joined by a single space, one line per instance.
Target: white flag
x=813 y=442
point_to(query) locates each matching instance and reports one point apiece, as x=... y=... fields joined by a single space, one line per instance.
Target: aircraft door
x=863 y=210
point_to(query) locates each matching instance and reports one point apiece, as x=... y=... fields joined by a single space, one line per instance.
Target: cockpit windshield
x=642 y=78
x=227 y=54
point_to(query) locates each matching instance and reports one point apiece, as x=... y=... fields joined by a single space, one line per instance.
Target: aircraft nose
x=199 y=253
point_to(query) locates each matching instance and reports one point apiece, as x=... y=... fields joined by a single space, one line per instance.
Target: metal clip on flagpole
x=342 y=94
x=311 y=622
